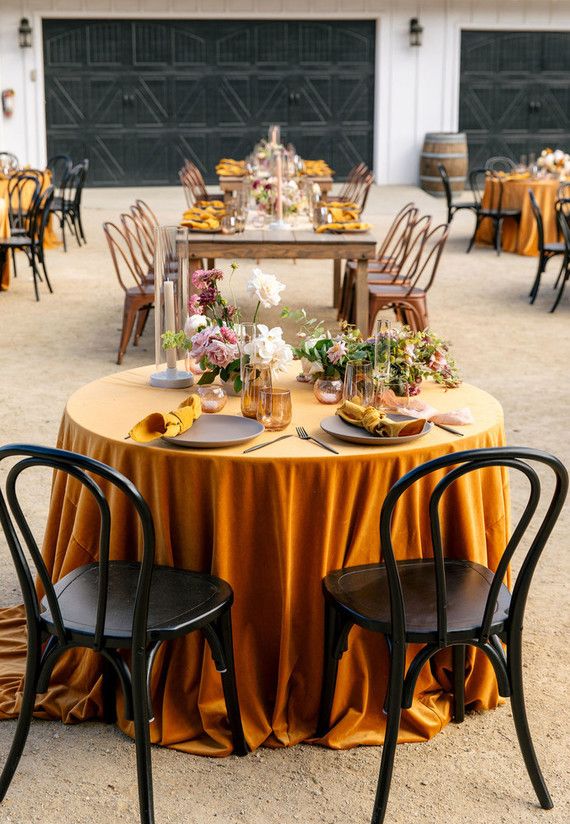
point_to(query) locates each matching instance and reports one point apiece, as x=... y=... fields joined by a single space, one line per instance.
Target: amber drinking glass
x=274 y=408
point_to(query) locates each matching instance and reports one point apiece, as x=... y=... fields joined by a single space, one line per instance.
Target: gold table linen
x=272 y=523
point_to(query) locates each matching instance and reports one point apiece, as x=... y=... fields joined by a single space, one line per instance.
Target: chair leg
x=142 y=317
x=561 y=272
x=498 y=235
x=142 y=738
x=129 y=315
x=395 y=688
x=33 y=660
x=36 y=275
x=514 y=667
x=224 y=630
x=62 y=227
x=14 y=263
x=458 y=653
x=534 y=291
x=330 y=671
x=472 y=241
x=561 y=290
x=80 y=224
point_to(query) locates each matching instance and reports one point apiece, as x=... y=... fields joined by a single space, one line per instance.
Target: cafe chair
x=443 y=601
x=493 y=210
x=389 y=258
x=452 y=207
x=563 y=190
x=408 y=297
x=30 y=223
x=500 y=164
x=68 y=205
x=546 y=251
x=350 y=185
x=60 y=166
x=563 y=219
x=134 y=279
x=110 y=606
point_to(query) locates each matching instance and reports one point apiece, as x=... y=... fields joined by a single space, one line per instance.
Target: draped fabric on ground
x=272 y=523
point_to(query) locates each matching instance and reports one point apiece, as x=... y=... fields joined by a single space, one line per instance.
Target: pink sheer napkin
x=416 y=408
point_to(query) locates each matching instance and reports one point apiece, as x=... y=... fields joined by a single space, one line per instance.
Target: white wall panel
x=417 y=90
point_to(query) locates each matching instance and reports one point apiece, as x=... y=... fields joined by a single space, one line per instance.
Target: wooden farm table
x=265 y=244
x=272 y=523
x=230 y=184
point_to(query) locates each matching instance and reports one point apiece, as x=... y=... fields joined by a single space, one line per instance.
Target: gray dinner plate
x=335 y=426
x=216 y=431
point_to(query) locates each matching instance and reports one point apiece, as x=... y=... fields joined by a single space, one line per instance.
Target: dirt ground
x=469 y=773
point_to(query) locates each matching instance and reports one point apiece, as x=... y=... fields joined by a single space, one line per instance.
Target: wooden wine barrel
x=449 y=148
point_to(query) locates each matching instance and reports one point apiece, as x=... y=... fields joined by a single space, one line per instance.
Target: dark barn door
x=515 y=92
x=137 y=97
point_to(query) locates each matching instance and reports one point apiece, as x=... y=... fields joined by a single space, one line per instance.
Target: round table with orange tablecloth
x=522 y=236
x=272 y=523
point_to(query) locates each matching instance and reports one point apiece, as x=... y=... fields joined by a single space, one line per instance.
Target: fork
x=304 y=435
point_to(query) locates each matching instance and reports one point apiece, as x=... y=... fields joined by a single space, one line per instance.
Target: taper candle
x=279 y=200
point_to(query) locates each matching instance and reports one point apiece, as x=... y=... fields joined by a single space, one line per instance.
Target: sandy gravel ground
x=468 y=773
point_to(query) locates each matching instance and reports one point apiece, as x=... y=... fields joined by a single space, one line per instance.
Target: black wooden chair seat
x=16 y=241
x=499 y=213
x=363 y=592
x=180 y=601
x=555 y=248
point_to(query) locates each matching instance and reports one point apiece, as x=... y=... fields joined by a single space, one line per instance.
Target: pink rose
x=201 y=340
x=221 y=354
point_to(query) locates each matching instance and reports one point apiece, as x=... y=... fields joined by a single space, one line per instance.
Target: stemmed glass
x=358 y=383
x=382 y=341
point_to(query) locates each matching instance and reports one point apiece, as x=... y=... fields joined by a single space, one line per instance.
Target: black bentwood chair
x=452 y=207
x=110 y=606
x=443 y=602
x=546 y=251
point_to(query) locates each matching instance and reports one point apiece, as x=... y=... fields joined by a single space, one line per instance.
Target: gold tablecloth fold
x=272 y=523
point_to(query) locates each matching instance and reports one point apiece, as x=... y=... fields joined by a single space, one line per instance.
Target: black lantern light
x=416 y=31
x=25 y=34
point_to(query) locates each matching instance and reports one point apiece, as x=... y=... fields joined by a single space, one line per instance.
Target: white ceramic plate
x=216 y=431
x=335 y=426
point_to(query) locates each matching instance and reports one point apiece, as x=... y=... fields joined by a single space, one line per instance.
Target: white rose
x=266 y=288
x=194 y=323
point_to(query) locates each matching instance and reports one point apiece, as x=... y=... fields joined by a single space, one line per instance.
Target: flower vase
x=230 y=388
x=328 y=390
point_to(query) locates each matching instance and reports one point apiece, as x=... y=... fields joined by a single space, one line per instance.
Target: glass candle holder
x=274 y=408
x=228 y=225
x=328 y=390
x=255 y=377
x=212 y=398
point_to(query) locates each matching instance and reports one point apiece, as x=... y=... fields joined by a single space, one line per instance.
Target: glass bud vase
x=255 y=378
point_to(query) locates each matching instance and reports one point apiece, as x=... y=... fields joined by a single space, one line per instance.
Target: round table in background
x=522 y=236
x=272 y=523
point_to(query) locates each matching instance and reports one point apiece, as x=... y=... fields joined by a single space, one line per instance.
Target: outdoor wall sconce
x=25 y=34
x=416 y=32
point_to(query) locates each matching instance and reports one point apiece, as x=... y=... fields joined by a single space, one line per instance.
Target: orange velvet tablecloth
x=272 y=523
x=522 y=237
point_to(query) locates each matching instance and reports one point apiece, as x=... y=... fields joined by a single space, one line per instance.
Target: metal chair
x=68 y=205
x=494 y=211
x=546 y=251
x=110 y=605
x=408 y=298
x=132 y=274
x=452 y=207
x=443 y=601
x=60 y=166
x=500 y=164
x=563 y=219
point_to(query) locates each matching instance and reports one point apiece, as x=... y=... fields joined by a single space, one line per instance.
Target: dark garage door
x=137 y=97
x=515 y=92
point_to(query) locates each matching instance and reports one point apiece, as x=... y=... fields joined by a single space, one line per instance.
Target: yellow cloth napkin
x=377 y=423
x=342 y=204
x=342 y=215
x=353 y=226
x=317 y=168
x=211 y=205
x=167 y=423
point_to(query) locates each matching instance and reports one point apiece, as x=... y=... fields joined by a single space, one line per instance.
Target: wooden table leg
x=362 y=296
x=336 y=282
x=211 y=263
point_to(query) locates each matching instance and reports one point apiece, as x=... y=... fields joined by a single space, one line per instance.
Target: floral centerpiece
x=414 y=356
x=213 y=327
x=554 y=161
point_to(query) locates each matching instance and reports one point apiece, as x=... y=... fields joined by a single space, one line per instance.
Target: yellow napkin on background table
x=167 y=423
x=343 y=215
x=377 y=423
x=353 y=226
x=342 y=204
x=210 y=205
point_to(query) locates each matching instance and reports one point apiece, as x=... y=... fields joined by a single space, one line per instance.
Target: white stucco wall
x=417 y=89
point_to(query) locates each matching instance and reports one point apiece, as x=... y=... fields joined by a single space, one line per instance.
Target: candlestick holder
x=170 y=301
